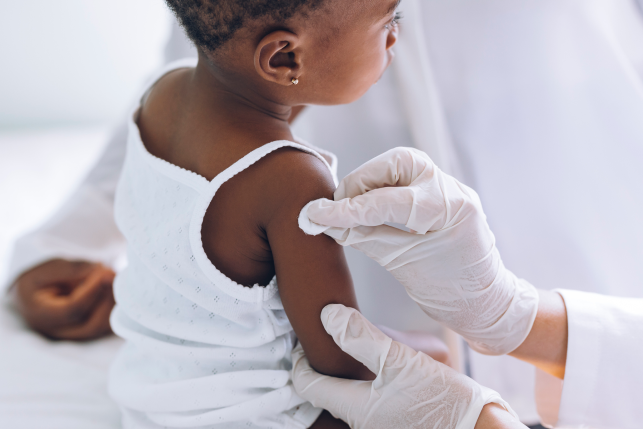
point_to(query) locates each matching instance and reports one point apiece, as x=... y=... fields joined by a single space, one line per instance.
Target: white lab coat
x=603 y=375
x=545 y=104
x=511 y=117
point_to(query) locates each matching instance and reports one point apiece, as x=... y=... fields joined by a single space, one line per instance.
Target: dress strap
x=255 y=294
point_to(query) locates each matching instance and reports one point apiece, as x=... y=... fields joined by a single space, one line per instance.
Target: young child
x=209 y=199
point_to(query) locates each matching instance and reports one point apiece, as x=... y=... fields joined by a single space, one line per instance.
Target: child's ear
x=278 y=57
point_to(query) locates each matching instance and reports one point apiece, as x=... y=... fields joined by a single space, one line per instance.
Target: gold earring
x=294 y=81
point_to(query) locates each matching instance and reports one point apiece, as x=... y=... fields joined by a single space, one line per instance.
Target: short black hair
x=211 y=23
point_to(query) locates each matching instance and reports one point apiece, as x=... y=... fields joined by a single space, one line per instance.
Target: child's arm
x=311 y=271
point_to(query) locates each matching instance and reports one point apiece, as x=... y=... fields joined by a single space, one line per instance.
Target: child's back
x=209 y=209
x=188 y=326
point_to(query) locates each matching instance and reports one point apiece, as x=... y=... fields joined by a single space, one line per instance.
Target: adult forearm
x=83 y=228
x=546 y=344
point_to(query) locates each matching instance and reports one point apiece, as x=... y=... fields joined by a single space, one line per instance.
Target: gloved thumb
x=356 y=336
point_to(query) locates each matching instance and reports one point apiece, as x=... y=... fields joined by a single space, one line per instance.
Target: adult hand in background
x=410 y=390
x=67 y=300
x=448 y=264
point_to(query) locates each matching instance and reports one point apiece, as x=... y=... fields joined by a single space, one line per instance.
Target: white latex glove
x=411 y=389
x=450 y=266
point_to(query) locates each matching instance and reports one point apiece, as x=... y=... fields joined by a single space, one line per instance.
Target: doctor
x=543 y=102
x=449 y=265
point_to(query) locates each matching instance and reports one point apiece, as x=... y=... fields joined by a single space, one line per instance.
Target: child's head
x=336 y=49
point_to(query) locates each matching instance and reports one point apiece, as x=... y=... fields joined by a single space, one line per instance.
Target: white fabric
x=543 y=103
x=418 y=91
x=83 y=228
x=426 y=121
x=37 y=173
x=53 y=384
x=552 y=101
x=603 y=375
x=451 y=266
x=201 y=350
x=410 y=388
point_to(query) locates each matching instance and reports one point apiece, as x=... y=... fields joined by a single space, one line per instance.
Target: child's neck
x=237 y=106
x=193 y=119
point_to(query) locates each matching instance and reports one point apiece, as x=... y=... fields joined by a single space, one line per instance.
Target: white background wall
x=75 y=62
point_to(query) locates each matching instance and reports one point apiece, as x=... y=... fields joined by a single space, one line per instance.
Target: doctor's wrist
x=546 y=345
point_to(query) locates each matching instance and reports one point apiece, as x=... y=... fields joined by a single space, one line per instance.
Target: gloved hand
x=428 y=344
x=450 y=266
x=411 y=390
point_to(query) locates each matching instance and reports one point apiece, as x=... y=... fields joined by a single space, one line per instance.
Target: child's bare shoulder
x=257 y=209
x=294 y=175
x=282 y=183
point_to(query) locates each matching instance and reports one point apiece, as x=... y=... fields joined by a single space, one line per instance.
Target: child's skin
x=240 y=98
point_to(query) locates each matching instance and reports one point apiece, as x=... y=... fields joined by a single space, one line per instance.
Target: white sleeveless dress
x=201 y=350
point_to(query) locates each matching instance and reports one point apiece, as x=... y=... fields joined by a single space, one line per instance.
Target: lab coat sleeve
x=604 y=371
x=84 y=227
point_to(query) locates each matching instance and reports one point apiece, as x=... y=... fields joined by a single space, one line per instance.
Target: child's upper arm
x=311 y=270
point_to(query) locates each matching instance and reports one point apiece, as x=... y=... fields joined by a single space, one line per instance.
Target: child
x=209 y=199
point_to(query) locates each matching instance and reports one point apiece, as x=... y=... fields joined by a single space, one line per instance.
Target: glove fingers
x=381 y=243
x=371 y=209
x=337 y=395
x=355 y=335
x=396 y=167
x=418 y=196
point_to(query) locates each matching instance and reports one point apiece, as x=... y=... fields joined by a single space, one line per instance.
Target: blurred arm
x=84 y=227
x=59 y=291
x=66 y=300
